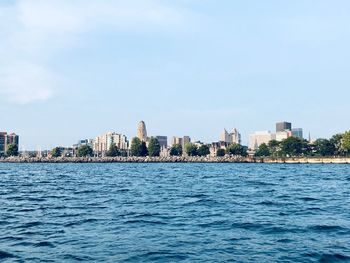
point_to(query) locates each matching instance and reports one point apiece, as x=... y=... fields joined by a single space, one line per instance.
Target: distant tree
x=203 y=150
x=191 y=149
x=12 y=150
x=84 y=151
x=56 y=152
x=336 y=140
x=153 y=147
x=274 y=148
x=135 y=148
x=306 y=148
x=345 y=142
x=144 y=150
x=176 y=150
x=220 y=152
x=292 y=146
x=263 y=151
x=236 y=149
x=324 y=147
x=113 y=151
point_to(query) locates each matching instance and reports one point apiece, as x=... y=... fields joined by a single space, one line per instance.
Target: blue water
x=174 y=213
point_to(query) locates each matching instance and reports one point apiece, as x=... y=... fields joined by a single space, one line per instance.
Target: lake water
x=174 y=213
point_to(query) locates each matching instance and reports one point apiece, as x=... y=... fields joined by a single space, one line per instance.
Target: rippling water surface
x=174 y=213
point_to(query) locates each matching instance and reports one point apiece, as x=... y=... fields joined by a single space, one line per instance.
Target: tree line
x=338 y=145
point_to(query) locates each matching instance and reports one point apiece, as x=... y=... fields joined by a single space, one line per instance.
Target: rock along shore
x=179 y=159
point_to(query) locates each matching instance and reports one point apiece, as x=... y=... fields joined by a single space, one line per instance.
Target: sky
x=74 y=69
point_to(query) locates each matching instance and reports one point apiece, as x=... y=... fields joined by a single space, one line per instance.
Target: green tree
x=274 y=148
x=345 y=142
x=56 y=152
x=135 y=149
x=12 y=150
x=203 y=150
x=144 y=150
x=324 y=147
x=292 y=146
x=263 y=151
x=113 y=151
x=191 y=149
x=176 y=150
x=153 y=147
x=236 y=149
x=84 y=151
x=220 y=152
x=336 y=140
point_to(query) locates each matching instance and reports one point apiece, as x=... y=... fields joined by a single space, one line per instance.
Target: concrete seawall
x=175 y=159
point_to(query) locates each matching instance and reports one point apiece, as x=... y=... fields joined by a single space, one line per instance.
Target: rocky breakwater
x=170 y=159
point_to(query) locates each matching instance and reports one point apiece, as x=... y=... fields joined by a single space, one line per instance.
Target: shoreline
x=182 y=159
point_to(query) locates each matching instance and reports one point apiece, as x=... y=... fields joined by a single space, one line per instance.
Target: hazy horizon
x=72 y=70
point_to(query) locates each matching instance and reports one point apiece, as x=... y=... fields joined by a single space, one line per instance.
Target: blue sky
x=75 y=69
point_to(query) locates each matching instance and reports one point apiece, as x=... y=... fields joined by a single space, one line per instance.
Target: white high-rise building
x=103 y=142
x=233 y=137
x=260 y=137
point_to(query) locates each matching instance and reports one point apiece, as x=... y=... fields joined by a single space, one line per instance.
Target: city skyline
x=78 y=69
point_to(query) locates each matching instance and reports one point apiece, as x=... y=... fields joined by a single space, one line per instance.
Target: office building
x=102 y=143
x=7 y=139
x=260 y=137
x=163 y=141
x=280 y=136
x=283 y=126
x=182 y=141
x=298 y=132
x=233 y=137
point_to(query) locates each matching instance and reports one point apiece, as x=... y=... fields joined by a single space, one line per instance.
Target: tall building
x=182 y=141
x=103 y=142
x=260 y=137
x=225 y=136
x=280 y=136
x=233 y=137
x=142 y=131
x=3 y=139
x=163 y=141
x=283 y=126
x=298 y=132
x=7 y=139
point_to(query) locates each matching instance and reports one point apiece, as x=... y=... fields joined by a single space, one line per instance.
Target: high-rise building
x=3 y=139
x=163 y=141
x=280 y=136
x=182 y=141
x=225 y=136
x=298 y=132
x=283 y=126
x=103 y=142
x=258 y=138
x=7 y=139
x=142 y=131
x=233 y=137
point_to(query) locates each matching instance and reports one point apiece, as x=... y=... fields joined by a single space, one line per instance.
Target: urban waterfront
x=128 y=212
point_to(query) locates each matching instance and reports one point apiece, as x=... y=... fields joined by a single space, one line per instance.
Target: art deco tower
x=141 y=131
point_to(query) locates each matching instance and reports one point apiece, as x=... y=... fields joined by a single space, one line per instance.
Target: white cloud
x=32 y=30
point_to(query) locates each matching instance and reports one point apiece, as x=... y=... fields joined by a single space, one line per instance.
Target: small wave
x=145 y=222
x=334 y=258
x=326 y=228
x=4 y=255
x=44 y=244
x=80 y=222
x=308 y=199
